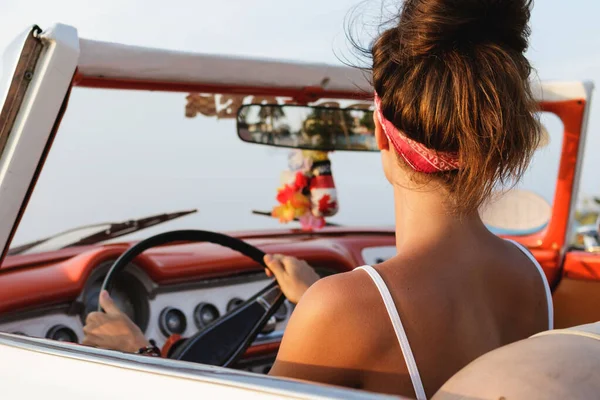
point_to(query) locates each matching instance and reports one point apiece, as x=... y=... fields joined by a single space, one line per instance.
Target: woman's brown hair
x=453 y=76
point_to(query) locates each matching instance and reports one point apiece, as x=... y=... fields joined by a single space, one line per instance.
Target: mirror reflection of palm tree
x=322 y=126
x=268 y=116
x=316 y=130
x=344 y=120
x=367 y=122
x=328 y=125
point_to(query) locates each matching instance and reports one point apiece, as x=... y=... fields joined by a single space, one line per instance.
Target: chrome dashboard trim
x=30 y=313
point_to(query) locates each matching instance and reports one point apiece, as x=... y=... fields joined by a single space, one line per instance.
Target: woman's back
x=456 y=303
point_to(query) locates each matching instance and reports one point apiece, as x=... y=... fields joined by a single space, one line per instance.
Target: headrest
x=562 y=364
x=516 y=212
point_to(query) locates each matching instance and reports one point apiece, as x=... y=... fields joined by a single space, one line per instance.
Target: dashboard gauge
x=172 y=321
x=62 y=333
x=204 y=314
x=234 y=303
x=120 y=297
x=129 y=296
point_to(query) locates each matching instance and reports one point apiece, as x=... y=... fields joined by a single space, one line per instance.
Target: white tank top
x=399 y=328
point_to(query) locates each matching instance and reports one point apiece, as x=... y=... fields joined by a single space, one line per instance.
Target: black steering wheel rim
x=189 y=235
x=189 y=350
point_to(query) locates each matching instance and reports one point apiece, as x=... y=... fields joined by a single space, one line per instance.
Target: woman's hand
x=294 y=276
x=112 y=330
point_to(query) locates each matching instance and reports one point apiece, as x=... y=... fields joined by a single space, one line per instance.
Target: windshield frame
x=23 y=53
x=41 y=86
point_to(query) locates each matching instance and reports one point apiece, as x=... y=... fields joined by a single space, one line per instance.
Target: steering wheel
x=225 y=339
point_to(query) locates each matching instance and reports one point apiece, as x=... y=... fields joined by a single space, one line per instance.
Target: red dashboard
x=57 y=277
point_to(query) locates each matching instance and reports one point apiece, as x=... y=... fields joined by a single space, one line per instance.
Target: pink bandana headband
x=419 y=157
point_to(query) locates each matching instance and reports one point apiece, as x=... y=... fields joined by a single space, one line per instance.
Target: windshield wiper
x=92 y=234
x=268 y=214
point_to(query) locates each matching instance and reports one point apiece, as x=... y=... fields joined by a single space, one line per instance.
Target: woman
x=454 y=118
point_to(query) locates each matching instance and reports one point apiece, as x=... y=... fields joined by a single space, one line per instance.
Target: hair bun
x=438 y=26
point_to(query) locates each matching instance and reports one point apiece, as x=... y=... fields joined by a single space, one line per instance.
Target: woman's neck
x=422 y=219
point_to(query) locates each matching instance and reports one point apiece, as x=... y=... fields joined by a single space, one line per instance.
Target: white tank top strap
x=544 y=280
x=399 y=329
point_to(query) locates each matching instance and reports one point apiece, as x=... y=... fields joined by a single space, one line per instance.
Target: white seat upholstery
x=559 y=364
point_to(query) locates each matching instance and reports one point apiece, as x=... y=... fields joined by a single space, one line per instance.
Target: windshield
x=121 y=155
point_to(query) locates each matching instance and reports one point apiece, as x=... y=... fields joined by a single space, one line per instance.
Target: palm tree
x=268 y=115
x=367 y=121
x=344 y=120
x=317 y=127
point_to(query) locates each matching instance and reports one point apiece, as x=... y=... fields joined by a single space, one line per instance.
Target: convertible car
x=202 y=296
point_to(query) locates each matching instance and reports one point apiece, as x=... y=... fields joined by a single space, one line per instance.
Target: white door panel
x=39 y=368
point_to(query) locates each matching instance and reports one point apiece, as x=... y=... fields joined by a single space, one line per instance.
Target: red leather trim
x=169 y=343
x=257 y=350
x=262 y=349
x=581 y=265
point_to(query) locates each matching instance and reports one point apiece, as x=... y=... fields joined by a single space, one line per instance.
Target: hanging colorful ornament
x=308 y=192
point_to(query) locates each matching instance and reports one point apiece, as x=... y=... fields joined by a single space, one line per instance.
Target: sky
x=122 y=155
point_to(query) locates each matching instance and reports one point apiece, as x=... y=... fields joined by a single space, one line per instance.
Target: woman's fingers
x=107 y=304
x=89 y=341
x=274 y=263
x=93 y=318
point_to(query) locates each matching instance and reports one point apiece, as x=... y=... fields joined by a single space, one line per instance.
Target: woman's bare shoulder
x=339 y=301
x=327 y=329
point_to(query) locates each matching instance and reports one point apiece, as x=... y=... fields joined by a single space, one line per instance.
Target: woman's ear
x=382 y=141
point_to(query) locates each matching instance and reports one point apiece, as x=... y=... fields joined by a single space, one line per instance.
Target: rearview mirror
x=307 y=127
